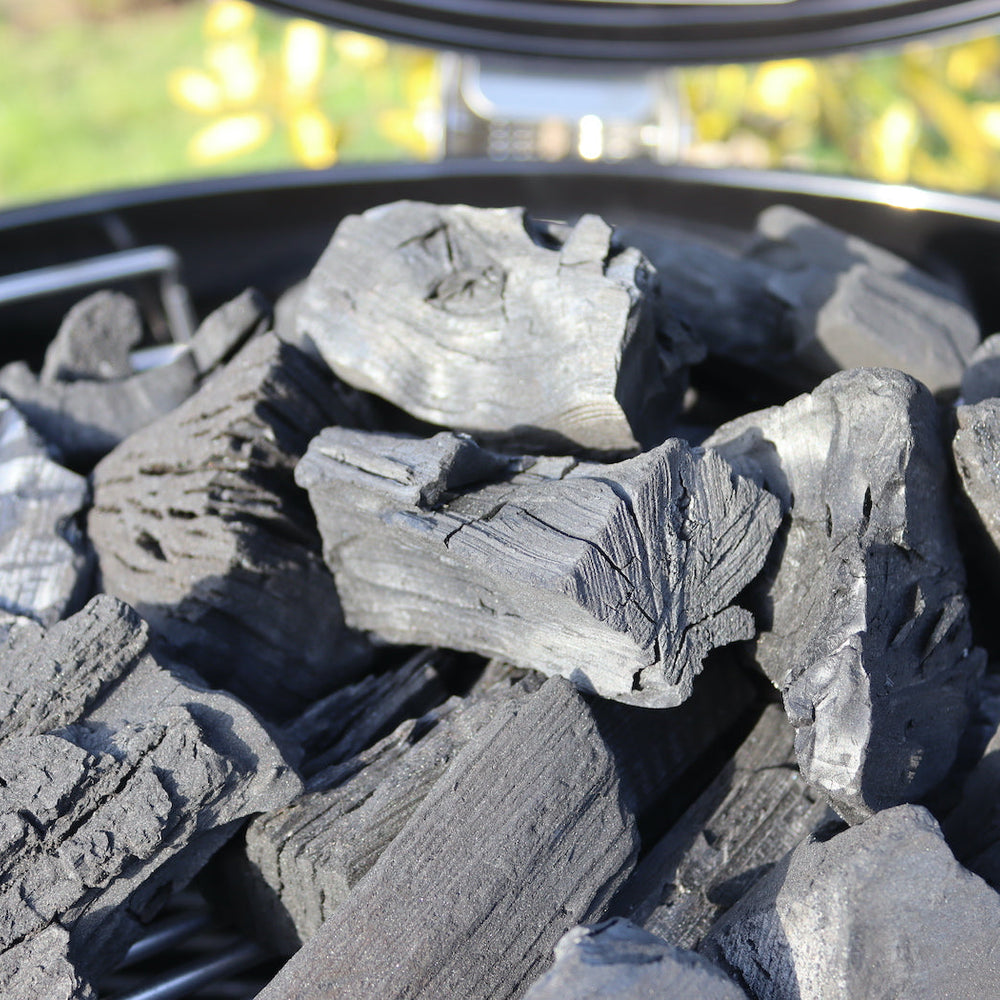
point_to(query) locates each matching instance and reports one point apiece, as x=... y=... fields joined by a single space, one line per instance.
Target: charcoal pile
x=453 y=629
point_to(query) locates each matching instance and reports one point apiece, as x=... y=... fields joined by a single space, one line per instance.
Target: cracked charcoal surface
x=756 y=810
x=617 y=959
x=45 y=567
x=880 y=910
x=39 y=968
x=469 y=319
x=621 y=577
x=94 y=340
x=852 y=304
x=118 y=786
x=85 y=418
x=863 y=618
x=522 y=837
x=198 y=524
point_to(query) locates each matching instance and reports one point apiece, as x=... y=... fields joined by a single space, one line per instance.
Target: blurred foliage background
x=109 y=93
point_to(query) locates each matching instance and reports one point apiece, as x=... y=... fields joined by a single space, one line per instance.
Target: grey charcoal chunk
x=621 y=577
x=95 y=340
x=880 y=910
x=756 y=810
x=982 y=378
x=972 y=829
x=197 y=523
x=85 y=418
x=976 y=447
x=103 y=817
x=39 y=969
x=302 y=862
x=45 y=566
x=863 y=617
x=617 y=959
x=474 y=319
x=522 y=837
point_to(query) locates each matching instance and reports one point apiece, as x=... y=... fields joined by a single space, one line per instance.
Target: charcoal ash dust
x=433 y=640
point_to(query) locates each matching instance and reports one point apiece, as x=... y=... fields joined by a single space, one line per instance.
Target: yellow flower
x=892 y=139
x=229 y=137
x=238 y=69
x=361 y=51
x=228 y=17
x=784 y=88
x=314 y=138
x=302 y=57
x=195 y=91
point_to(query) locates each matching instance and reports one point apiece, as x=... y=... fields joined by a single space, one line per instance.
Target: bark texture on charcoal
x=757 y=809
x=805 y=300
x=621 y=577
x=880 y=910
x=118 y=780
x=302 y=862
x=617 y=959
x=862 y=613
x=84 y=414
x=197 y=523
x=522 y=837
x=478 y=320
x=45 y=566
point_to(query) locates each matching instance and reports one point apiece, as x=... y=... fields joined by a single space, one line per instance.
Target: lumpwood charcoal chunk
x=478 y=320
x=39 y=968
x=94 y=340
x=85 y=417
x=198 y=524
x=851 y=304
x=620 y=576
x=880 y=910
x=862 y=612
x=976 y=448
x=119 y=790
x=522 y=837
x=982 y=378
x=617 y=959
x=45 y=567
x=757 y=809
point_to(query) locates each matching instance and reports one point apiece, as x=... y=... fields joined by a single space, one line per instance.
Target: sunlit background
x=101 y=94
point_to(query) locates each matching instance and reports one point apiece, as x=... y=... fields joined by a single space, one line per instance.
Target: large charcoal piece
x=755 y=811
x=477 y=320
x=84 y=403
x=852 y=304
x=863 y=617
x=302 y=862
x=118 y=779
x=880 y=910
x=522 y=837
x=617 y=959
x=621 y=577
x=45 y=567
x=198 y=524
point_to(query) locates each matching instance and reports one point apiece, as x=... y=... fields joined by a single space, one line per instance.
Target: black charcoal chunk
x=982 y=378
x=45 y=566
x=976 y=447
x=85 y=418
x=972 y=828
x=756 y=810
x=863 y=617
x=198 y=524
x=95 y=340
x=617 y=959
x=879 y=910
x=522 y=837
x=621 y=577
x=477 y=320
x=851 y=304
x=116 y=790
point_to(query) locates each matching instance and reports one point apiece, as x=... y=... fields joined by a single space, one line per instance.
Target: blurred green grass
x=84 y=101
